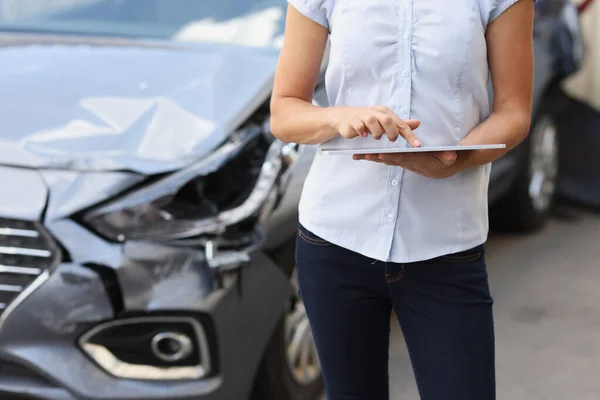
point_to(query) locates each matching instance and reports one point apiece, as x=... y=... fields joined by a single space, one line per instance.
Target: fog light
x=172 y=347
x=150 y=348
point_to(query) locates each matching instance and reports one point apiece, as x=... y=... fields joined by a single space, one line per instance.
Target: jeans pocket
x=310 y=238
x=472 y=255
x=394 y=273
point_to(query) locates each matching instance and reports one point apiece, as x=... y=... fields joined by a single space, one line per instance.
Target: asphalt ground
x=546 y=288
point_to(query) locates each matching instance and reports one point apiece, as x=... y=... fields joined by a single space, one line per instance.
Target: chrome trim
x=37 y=282
x=17 y=251
x=185 y=346
x=2 y=306
x=266 y=179
x=24 y=294
x=120 y=369
x=11 y=288
x=227 y=259
x=174 y=182
x=12 y=269
x=19 y=232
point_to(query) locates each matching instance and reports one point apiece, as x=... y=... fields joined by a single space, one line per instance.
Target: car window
x=241 y=22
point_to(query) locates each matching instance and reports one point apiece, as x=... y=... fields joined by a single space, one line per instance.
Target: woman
x=402 y=231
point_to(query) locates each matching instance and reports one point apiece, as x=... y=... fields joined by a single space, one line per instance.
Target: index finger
x=407 y=133
x=405 y=128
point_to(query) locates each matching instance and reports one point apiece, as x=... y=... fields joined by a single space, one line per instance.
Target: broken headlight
x=227 y=188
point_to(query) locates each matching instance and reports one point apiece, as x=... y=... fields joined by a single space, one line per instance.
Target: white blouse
x=426 y=60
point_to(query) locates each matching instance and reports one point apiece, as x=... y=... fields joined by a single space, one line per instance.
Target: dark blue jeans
x=443 y=305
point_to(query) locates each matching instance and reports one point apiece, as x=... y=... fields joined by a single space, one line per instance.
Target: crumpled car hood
x=91 y=104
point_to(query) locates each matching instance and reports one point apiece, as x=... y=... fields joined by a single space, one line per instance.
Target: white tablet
x=325 y=150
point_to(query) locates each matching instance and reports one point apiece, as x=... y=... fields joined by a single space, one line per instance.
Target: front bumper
x=39 y=354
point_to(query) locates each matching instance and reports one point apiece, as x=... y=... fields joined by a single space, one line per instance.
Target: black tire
x=275 y=380
x=519 y=211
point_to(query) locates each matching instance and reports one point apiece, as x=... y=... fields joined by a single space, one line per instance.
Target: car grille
x=26 y=251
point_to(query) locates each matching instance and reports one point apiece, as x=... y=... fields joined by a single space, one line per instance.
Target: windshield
x=241 y=22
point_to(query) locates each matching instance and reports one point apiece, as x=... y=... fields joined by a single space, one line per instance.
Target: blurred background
x=148 y=216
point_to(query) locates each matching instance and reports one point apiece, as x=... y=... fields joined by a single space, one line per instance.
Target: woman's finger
x=407 y=133
x=347 y=131
x=359 y=127
x=394 y=157
x=405 y=128
x=373 y=126
x=389 y=125
x=449 y=157
x=413 y=123
x=446 y=157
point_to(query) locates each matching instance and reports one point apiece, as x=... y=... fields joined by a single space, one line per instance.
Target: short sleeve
x=500 y=6
x=317 y=10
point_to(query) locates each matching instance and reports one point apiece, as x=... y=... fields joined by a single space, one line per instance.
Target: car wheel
x=528 y=205
x=290 y=369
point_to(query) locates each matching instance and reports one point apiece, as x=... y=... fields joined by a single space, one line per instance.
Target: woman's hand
x=434 y=165
x=295 y=119
x=351 y=122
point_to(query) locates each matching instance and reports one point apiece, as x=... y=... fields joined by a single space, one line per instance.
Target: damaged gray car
x=148 y=216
